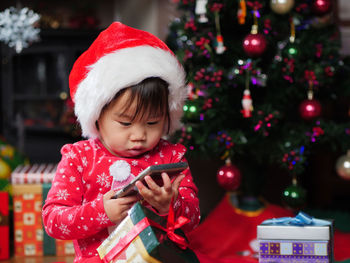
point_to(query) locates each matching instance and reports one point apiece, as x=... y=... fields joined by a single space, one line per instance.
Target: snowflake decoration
x=102 y=218
x=17 y=27
x=102 y=179
x=62 y=194
x=64 y=229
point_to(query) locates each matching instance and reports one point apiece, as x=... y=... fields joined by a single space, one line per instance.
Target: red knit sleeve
x=65 y=215
x=187 y=202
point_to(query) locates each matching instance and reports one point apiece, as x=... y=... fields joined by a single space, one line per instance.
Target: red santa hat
x=120 y=57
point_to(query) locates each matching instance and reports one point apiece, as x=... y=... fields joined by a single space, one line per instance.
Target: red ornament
x=254 y=44
x=310 y=109
x=321 y=7
x=229 y=176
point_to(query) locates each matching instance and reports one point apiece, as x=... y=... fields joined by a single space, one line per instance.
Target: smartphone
x=155 y=172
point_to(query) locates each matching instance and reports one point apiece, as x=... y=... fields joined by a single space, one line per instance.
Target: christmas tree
x=268 y=87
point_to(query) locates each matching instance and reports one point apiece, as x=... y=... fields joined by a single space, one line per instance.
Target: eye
x=152 y=122
x=124 y=123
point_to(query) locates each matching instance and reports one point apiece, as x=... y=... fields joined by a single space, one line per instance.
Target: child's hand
x=160 y=196
x=117 y=209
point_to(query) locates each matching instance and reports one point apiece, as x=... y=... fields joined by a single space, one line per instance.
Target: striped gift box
x=33 y=174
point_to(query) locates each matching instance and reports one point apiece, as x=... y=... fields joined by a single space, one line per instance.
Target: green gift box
x=144 y=236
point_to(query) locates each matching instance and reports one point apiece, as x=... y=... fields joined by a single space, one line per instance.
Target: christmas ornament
x=310 y=108
x=342 y=166
x=242 y=12
x=5 y=170
x=17 y=27
x=247 y=104
x=281 y=7
x=201 y=10
x=220 y=48
x=190 y=111
x=254 y=44
x=294 y=195
x=321 y=7
x=229 y=176
x=290 y=50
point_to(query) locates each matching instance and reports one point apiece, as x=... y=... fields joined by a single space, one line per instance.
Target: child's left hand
x=160 y=196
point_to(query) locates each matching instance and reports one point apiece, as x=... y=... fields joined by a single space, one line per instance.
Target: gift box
x=4 y=226
x=31 y=184
x=299 y=239
x=33 y=174
x=144 y=236
x=28 y=230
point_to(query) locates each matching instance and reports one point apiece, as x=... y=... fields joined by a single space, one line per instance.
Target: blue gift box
x=298 y=239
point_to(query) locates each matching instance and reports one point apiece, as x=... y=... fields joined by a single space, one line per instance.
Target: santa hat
x=120 y=57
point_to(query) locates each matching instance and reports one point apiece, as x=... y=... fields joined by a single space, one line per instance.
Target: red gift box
x=4 y=226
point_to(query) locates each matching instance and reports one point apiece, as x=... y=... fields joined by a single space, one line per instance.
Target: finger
x=177 y=181
x=109 y=194
x=166 y=183
x=143 y=190
x=152 y=184
x=128 y=199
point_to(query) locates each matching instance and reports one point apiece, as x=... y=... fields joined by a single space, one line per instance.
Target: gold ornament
x=5 y=170
x=342 y=166
x=281 y=7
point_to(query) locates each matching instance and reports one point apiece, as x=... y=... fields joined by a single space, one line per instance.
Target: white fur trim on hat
x=124 y=68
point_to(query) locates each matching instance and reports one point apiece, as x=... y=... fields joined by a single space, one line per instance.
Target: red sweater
x=74 y=206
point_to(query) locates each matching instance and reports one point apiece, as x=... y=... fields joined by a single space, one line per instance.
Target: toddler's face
x=127 y=137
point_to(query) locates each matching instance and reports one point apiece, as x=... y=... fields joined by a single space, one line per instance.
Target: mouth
x=136 y=150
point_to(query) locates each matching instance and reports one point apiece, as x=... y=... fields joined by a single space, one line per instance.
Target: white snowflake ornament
x=17 y=27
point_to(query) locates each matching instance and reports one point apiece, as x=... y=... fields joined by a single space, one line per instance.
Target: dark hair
x=151 y=96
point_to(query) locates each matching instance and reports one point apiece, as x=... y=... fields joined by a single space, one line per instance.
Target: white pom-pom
x=120 y=170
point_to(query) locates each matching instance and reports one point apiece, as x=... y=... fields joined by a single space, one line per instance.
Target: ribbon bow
x=145 y=222
x=301 y=219
x=172 y=225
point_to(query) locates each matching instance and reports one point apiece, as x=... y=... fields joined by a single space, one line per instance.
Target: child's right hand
x=117 y=209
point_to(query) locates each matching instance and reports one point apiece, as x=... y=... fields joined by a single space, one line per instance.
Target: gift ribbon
x=172 y=224
x=301 y=219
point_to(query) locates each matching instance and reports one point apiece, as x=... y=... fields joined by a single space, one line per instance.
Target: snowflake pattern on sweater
x=74 y=208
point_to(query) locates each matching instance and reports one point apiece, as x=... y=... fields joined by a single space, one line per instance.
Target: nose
x=138 y=133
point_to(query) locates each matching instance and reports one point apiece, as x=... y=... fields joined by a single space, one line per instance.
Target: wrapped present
x=144 y=236
x=4 y=226
x=296 y=239
x=33 y=174
x=28 y=230
x=30 y=236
